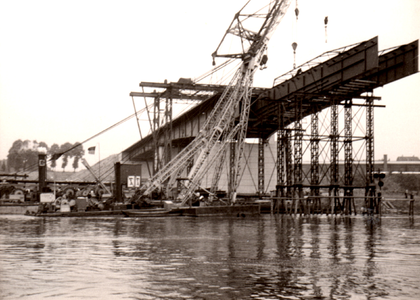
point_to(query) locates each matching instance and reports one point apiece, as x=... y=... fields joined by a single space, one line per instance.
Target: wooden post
x=118 y=187
x=411 y=205
x=354 y=206
x=332 y=202
x=271 y=206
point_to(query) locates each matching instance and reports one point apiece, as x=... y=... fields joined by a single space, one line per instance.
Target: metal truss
x=334 y=151
x=348 y=156
x=314 y=153
x=168 y=131
x=314 y=145
x=370 y=153
x=261 y=166
x=298 y=135
x=281 y=153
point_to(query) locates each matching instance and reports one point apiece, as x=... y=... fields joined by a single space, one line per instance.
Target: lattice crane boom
x=220 y=128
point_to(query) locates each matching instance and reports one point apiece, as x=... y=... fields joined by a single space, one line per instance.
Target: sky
x=67 y=67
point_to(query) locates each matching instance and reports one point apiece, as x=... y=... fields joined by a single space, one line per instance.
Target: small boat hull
x=93 y=213
x=144 y=213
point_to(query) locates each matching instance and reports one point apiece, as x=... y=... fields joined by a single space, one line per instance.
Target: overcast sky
x=67 y=67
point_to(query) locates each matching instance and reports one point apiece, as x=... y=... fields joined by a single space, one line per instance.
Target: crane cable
x=55 y=156
x=212 y=71
x=294 y=44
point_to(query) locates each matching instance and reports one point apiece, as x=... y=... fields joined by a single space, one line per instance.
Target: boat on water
x=197 y=211
x=152 y=212
x=89 y=206
x=138 y=206
x=158 y=212
x=167 y=211
x=99 y=213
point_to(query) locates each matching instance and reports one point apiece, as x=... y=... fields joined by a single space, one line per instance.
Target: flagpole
x=99 y=157
x=92 y=150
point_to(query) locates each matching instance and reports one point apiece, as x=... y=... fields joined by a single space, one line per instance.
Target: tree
x=30 y=160
x=23 y=155
x=77 y=153
x=65 y=157
x=75 y=163
x=14 y=159
x=64 y=161
x=54 y=150
x=410 y=182
x=43 y=144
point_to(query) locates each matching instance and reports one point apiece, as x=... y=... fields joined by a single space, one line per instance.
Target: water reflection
x=267 y=257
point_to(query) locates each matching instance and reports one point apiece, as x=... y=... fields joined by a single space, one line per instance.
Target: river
x=265 y=257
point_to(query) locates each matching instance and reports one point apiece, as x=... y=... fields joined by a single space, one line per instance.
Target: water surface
x=266 y=257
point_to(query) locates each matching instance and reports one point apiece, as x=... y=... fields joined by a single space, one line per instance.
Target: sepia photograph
x=243 y=149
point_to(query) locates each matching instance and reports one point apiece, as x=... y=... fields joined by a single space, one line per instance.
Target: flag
x=91 y=150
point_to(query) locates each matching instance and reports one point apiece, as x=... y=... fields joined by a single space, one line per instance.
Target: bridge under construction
x=321 y=112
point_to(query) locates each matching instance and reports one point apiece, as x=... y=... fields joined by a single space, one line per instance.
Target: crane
x=226 y=125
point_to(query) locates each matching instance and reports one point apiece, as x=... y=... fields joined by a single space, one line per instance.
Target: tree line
x=23 y=155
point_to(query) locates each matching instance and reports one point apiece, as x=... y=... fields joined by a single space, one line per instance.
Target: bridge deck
x=352 y=71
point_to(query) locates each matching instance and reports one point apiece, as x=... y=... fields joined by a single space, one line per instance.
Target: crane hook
x=294 y=46
x=325 y=23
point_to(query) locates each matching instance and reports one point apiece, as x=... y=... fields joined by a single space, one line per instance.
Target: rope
x=55 y=156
